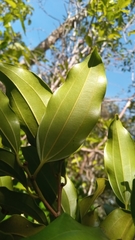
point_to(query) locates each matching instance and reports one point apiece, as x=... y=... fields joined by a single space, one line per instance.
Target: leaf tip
x=94 y=59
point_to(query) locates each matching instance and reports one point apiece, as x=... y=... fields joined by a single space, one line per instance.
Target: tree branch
x=60 y=31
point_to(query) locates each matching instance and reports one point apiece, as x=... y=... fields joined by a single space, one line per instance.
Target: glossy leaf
x=28 y=95
x=119 y=158
x=118 y=225
x=18 y=202
x=72 y=111
x=9 y=125
x=66 y=228
x=69 y=198
x=10 y=167
x=86 y=203
x=46 y=178
x=19 y=226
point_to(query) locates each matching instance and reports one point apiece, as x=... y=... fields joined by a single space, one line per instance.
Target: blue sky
x=42 y=25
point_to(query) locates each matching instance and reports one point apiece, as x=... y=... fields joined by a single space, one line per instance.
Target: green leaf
x=131 y=32
x=122 y=4
x=86 y=203
x=20 y=226
x=46 y=178
x=119 y=161
x=72 y=111
x=133 y=201
x=28 y=95
x=22 y=22
x=10 y=167
x=17 y=203
x=5 y=236
x=118 y=225
x=11 y=3
x=66 y=228
x=91 y=219
x=7 y=19
x=69 y=198
x=7 y=182
x=9 y=125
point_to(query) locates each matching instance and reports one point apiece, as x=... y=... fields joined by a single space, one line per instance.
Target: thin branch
x=60 y=186
x=49 y=15
x=55 y=214
x=124 y=109
x=59 y=32
x=38 y=192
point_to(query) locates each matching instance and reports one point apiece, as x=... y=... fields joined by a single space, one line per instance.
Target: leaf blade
x=74 y=108
x=66 y=228
x=10 y=167
x=9 y=124
x=112 y=226
x=119 y=162
x=28 y=95
x=69 y=198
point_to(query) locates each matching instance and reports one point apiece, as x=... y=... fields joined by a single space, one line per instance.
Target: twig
x=124 y=109
x=39 y=193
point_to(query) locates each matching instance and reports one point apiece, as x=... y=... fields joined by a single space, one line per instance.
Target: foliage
x=35 y=187
x=12 y=48
x=109 y=25
x=56 y=125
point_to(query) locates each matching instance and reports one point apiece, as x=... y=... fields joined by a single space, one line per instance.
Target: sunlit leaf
x=28 y=95
x=11 y=3
x=119 y=158
x=131 y=32
x=69 y=198
x=118 y=225
x=9 y=125
x=7 y=182
x=72 y=111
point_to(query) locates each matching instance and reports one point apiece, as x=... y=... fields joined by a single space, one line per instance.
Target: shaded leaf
x=10 y=167
x=66 y=228
x=20 y=226
x=5 y=236
x=119 y=161
x=69 y=198
x=28 y=95
x=118 y=225
x=46 y=178
x=17 y=203
x=86 y=203
x=9 y=125
x=91 y=219
x=133 y=201
x=72 y=111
